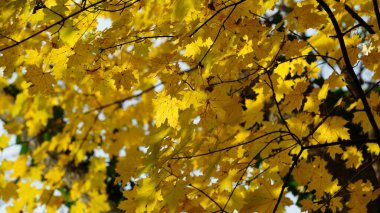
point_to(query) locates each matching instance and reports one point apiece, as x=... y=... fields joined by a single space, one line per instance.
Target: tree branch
x=245 y=171
x=350 y=69
x=286 y=180
x=53 y=25
x=208 y=196
x=342 y=143
x=230 y=147
x=138 y=38
x=279 y=111
x=217 y=35
x=216 y=13
x=124 y=99
x=377 y=12
x=359 y=19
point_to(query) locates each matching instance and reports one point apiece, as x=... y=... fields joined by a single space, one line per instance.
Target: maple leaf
x=373 y=148
x=4 y=139
x=176 y=194
x=264 y=198
x=41 y=82
x=353 y=156
x=226 y=183
x=145 y=199
x=166 y=108
x=360 y=195
x=332 y=130
x=321 y=181
x=123 y=78
x=187 y=105
x=9 y=191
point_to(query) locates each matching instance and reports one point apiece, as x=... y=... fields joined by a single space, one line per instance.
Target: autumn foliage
x=190 y=105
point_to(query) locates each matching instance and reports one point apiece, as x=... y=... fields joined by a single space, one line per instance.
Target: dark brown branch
x=60 y=22
x=124 y=99
x=377 y=12
x=279 y=110
x=236 y=80
x=341 y=143
x=217 y=35
x=256 y=176
x=7 y=37
x=286 y=180
x=213 y=16
x=373 y=87
x=359 y=19
x=208 y=196
x=304 y=56
x=118 y=9
x=245 y=170
x=324 y=57
x=350 y=69
x=143 y=38
x=279 y=151
x=230 y=147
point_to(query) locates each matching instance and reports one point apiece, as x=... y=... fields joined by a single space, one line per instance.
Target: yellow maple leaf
x=9 y=191
x=246 y=49
x=4 y=139
x=254 y=112
x=181 y=8
x=98 y=202
x=175 y=195
x=265 y=198
x=361 y=195
x=299 y=124
x=41 y=82
x=56 y=61
x=226 y=183
x=322 y=94
x=353 y=157
x=331 y=130
x=336 y=80
x=20 y=167
x=143 y=199
x=166 y=108
x=123 y=78
x=192 y=98
x=192 y=50
x=54 y=175
x=373 y=148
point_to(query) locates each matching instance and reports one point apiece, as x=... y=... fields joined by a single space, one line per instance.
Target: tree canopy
x=190 y=105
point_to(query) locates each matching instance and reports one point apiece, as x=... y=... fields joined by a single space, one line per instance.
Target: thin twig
x=217 y=35
x=53 y=25
x=287 y=178
x=136 y=40
x=216 y=13
x=341 y=143
x=359 y=19
x=245 y=171
x=124 y=99
x=229 y=147
x=208 y=196
x=279 y=111
x=373 y=87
